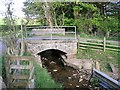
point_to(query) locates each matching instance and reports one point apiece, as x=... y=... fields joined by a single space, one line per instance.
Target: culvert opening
x=54 y=61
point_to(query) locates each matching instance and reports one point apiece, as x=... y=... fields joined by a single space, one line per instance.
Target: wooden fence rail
x=104 y=44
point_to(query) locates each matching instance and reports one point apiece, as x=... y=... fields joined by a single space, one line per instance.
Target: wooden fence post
x=104 y=44
x=75 y=33
x=97 y=65
x=22 y=41
x=7 y=65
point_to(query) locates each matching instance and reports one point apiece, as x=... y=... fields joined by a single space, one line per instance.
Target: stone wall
x=69 y=46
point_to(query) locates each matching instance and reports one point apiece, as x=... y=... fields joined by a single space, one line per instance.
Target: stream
x=67 y=75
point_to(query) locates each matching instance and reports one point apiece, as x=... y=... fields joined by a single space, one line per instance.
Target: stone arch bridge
x=62 y=38
x=67 y=46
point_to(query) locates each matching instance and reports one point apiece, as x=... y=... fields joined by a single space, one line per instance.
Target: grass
x=8 y=33
x=103 y=57
x=83 y=35
x=49 y=35
x=44 y=80
x=1 y=21
x=2 y=67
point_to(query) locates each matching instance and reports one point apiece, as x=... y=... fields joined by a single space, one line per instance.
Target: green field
x=17 y=21
x=1 y=21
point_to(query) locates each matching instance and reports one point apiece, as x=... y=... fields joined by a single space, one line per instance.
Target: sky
x=18 y=4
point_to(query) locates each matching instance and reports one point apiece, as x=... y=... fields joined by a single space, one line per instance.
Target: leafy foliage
x=90 y=18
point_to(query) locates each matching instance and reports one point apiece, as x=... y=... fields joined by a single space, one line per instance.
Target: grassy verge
x=44 y=80
x=2 y=67
x=103 y=57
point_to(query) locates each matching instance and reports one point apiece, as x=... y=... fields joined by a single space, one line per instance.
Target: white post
x=104 y=44
x=75 y=32
x=51 y=32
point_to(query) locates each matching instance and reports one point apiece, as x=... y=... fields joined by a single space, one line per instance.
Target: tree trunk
x=48 y=14
x=22 y=47
x=12 y=23
x=55 y=19
x=95 y=33
x=107 y=34
x=76 y=12
x=63 y=18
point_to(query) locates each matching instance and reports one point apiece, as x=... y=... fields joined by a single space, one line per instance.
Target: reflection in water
x=54 y=62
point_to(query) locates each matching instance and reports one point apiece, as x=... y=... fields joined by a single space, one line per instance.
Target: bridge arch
x=39 y=49
x=54 y=50
x=69 y=47
x=53 y=53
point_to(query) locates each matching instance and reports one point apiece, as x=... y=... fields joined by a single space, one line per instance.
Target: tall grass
x=43 y=80
x=2 y=67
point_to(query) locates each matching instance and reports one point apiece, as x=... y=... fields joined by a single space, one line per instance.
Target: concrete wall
x=69 y=46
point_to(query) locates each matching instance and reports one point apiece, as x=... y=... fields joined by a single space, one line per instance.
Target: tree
x=47 y=12
x=38 y=10
x=9 y=17
x=108 y=18
x=90 y=18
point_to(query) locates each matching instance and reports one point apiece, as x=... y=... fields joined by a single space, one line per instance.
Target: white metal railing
x=54 y=32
